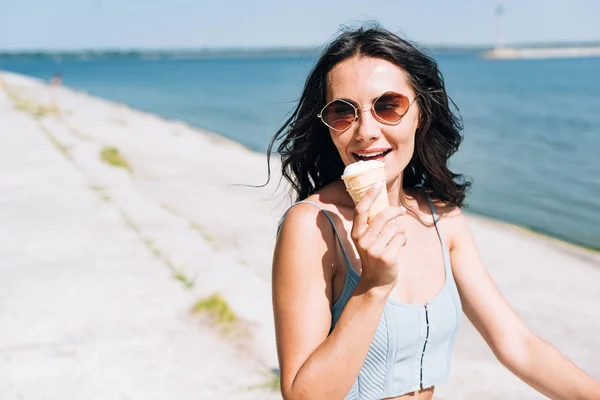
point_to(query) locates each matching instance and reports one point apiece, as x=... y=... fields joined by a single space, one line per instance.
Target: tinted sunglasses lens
x=391 y=107
x=339 y=115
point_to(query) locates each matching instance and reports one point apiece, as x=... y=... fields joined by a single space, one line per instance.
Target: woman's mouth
x=376 y=155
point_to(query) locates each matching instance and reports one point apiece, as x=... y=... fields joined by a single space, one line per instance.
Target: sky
x=167 y=24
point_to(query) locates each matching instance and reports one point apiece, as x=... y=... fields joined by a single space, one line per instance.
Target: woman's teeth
x=371 y=156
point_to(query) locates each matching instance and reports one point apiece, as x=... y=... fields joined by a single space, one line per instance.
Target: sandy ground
x=100 y=266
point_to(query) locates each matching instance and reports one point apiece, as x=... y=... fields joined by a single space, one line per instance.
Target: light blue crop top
x=412 y=346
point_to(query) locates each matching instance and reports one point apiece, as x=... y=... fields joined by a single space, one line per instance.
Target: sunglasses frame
x=358 y=110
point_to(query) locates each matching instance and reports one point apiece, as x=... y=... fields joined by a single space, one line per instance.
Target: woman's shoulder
x=332 y=197
x=307 y=234
x=307 y=215
x=316 y=214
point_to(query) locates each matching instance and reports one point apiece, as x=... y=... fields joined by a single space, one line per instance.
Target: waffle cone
x=357 y=185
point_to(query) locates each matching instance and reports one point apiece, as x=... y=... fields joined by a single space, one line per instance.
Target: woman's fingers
x=361 y=211
x=379 y=245
x=388 y=215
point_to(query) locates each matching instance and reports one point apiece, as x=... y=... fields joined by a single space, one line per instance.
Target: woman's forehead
x=365 y=78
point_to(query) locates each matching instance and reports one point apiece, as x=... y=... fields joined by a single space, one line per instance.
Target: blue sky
x=124 y=24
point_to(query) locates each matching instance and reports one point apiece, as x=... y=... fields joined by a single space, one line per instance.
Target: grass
x=112 y=156
x=205 y=235
x=100 y=190
x=73 y=131
x=180 y=275
x=61 y=147
x=37 y=111
x=97 y=188
x=153 y=249
x=30 y=107
x=272 y=381
x=130 y=223
x=218 y=309
x=194 y=225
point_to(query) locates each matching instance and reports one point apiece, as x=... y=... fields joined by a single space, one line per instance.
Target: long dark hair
x=309 y=158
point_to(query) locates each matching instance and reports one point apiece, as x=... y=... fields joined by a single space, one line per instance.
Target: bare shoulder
x=306 y=227
x=307 y=214
x=452 y=221
x=333 y=197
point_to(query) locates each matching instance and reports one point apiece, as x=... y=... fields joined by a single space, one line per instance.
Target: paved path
x=89 y=304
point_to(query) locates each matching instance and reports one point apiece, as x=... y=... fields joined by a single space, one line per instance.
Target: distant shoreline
x=543 y=52
x=510 y=51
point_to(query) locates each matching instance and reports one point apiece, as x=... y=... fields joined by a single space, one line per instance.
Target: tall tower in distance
x=499 y=39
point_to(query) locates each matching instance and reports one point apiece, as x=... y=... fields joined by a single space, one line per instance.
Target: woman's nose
x=368 y=127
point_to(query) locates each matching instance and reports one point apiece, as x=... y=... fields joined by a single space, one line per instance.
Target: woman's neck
x=396 y=194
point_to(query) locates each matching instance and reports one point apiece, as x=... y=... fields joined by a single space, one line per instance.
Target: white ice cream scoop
x=361 y=166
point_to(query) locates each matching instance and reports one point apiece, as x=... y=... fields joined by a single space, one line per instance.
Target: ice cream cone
x=359 y=177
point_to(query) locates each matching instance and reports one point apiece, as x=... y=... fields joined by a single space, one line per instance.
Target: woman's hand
x=379 y=242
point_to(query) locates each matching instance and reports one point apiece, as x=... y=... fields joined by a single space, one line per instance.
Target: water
x=532 y=127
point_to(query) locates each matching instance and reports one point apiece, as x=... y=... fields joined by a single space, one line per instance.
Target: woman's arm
x=314 y=365
x=529 y=357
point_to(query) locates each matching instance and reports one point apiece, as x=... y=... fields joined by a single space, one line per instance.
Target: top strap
x=433 y=209
x=348 y=264
x=436 y=220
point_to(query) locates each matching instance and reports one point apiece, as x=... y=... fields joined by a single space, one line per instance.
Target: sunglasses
x=389 y=108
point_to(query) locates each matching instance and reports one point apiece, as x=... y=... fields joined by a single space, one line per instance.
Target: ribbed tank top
x=412 y=346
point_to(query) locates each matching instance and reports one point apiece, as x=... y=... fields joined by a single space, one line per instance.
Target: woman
x=371 y=310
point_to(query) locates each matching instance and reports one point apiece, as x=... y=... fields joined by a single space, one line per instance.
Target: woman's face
x=362 y=80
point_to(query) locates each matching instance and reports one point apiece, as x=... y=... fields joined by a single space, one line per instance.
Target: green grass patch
x=272 y=382
x=216 y=306
x=183 y=278
x=32 y=108
x=112 y=156
x=105 y=197
x=97 y=188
